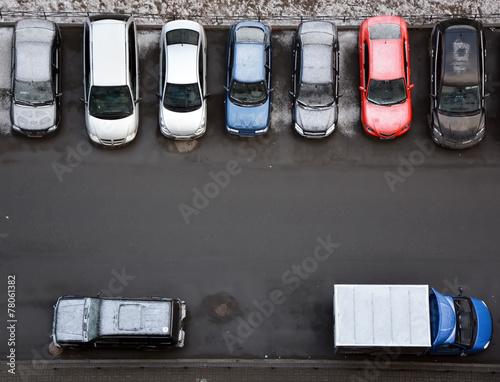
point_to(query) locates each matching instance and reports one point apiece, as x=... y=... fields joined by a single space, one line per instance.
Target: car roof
x=182 y=64
x=317 y=64
x=249 y=60
x=461 y=55
x=109 y=49
x=318 y=39
x=33 y=49
x=135 y=317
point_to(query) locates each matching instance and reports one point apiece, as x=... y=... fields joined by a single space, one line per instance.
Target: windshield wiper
x=25 y=103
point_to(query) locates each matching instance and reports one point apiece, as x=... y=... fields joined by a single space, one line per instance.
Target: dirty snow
x=272 y=11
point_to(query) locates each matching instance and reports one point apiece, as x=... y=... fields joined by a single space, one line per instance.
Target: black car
x=315 y=79
x=457 y=52
x=36 y=83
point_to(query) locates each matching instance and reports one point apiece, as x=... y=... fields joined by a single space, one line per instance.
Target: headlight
x=299 y=129
x=436 y=133
x=262 y=131
x=406 y=127
x=488 y=344
x=52 y=129
x=369 y=128
x=232 y=130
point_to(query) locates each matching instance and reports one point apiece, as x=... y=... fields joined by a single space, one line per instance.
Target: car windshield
x=244 y=93
x=386 y=92
x=459 y=99
x=33 y=93
x=465 y=322
x=110 y=102
x=316 y=95
x=182 y=97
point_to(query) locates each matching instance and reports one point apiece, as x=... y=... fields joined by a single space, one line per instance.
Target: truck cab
x=459 y=324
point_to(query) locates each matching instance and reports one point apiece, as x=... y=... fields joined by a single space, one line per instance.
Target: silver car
x=183 y=83
x=111 y=79
x=315 y=79
x=36 y=83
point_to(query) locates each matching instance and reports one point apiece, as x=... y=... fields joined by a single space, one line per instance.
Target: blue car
x=248 y=79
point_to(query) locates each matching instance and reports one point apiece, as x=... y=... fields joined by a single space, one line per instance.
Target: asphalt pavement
x=233 y=221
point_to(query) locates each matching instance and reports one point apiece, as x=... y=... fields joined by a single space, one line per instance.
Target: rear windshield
x=385 y=32
x=182 y=36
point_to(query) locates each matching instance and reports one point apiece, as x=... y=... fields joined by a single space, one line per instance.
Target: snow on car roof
x=249 y=60
x=145 y=317
x=33 y=50
x=317 y=64
x=461 y=59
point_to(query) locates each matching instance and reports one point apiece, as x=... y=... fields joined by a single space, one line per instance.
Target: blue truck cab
x=459 y=324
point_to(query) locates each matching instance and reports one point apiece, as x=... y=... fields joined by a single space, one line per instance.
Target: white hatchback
x=183 y=85
x=111 y=79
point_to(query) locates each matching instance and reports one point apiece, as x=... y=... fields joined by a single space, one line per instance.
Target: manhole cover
x=223 y=307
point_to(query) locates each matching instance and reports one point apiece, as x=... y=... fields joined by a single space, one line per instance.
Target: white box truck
x=414 y=318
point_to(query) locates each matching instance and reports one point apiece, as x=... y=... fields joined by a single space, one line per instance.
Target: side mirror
x=433 y=96
x=486 y=95
x=225 y=88
x=138 y=100
x=291 y=93
x=271 y=90
x=362 y=89
x=81 y=99
x=158 y=95
x=207 y=95
x=59 y=95
x=411 y=86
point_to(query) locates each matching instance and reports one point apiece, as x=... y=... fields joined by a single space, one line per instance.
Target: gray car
x=315 y=79
x=36 y=83
x=148 y=322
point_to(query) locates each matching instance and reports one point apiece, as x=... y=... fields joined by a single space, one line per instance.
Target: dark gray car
x=315 y=79
x=150 y=322
x=36 y=83
x=457 y=52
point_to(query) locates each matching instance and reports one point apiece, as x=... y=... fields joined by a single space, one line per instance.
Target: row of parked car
x=111 y=81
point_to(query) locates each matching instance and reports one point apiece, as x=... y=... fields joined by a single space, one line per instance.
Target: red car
x=384 y=60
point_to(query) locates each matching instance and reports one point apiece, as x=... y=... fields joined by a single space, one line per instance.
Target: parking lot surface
x=237 y=222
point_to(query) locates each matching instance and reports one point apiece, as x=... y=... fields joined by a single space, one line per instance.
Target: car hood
x=484 y=324
x=387 y=120
x=459 y=128
x=68 y=325
x=112 y=129
x=183 y=123
x=315 y=120
x=34 y=118
x=247 y=118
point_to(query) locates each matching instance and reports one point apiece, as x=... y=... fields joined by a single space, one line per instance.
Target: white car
x=111 y=79
x=183 y=85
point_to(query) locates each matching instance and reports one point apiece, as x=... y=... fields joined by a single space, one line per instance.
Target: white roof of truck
x=381 y=315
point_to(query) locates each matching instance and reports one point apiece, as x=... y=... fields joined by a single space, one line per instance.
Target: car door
x=296 y=67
